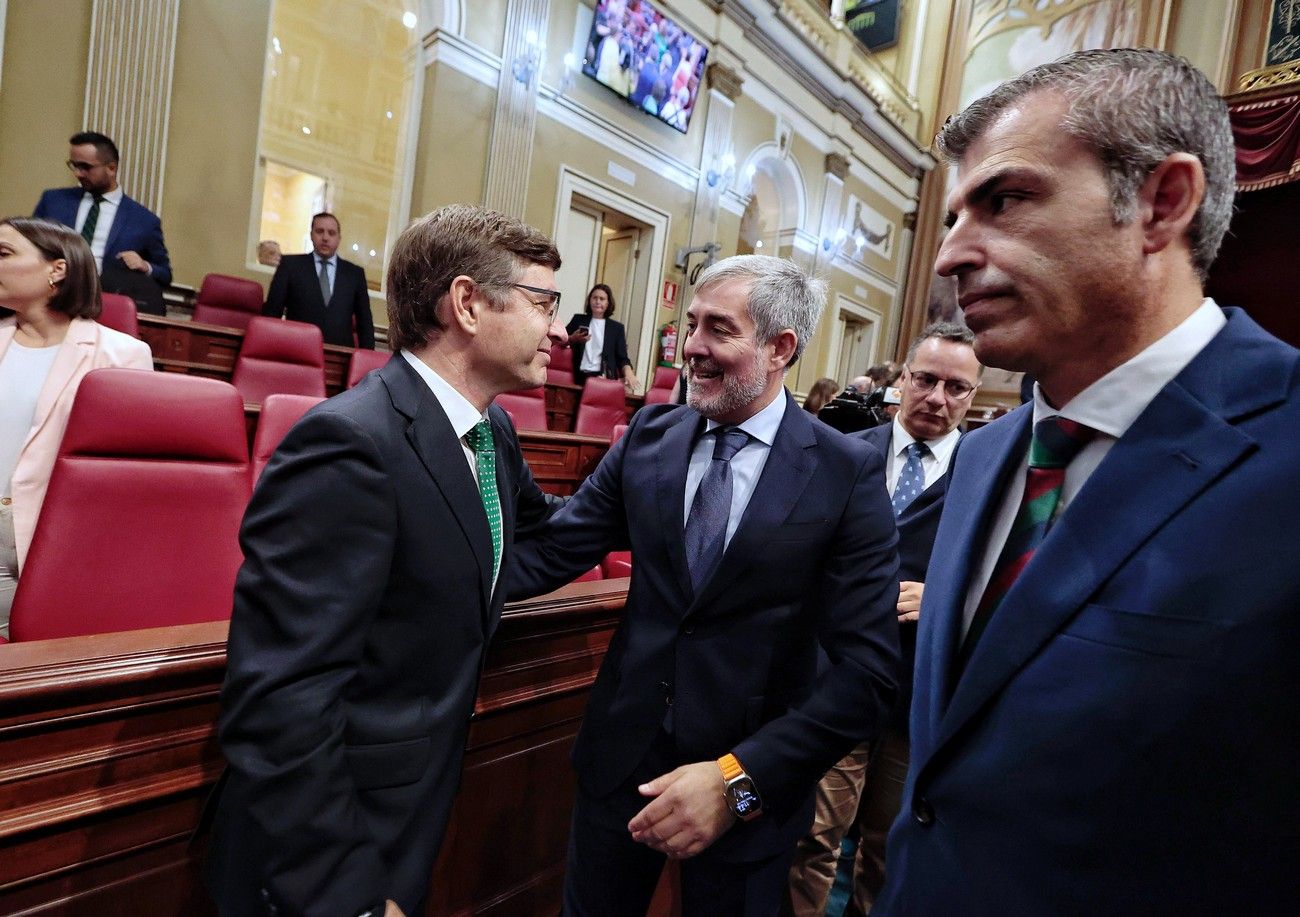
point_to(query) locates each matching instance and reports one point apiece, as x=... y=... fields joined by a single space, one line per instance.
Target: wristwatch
x=741 y=795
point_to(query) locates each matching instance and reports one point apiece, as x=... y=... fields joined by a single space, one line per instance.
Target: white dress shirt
x=594 y=348
x=463 y=415
x=1110 y=406
x=933 y=465
x=103 y=225
x=746 y=465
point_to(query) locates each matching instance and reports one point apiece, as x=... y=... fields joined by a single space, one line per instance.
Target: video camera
x=851 y=411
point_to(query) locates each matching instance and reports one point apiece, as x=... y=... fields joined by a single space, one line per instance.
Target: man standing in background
x=323 y=289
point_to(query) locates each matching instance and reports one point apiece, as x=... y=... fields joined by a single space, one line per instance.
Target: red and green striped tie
x=1055 y=443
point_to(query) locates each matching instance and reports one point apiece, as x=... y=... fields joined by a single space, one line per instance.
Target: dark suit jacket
x=917 y=527
x=135 y=229
x=613 y=355
x=295 y=295
x=1125 y=737
x=812 y=563
x=361 y=616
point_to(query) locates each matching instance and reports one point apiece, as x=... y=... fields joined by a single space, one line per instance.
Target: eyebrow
x=985 y=189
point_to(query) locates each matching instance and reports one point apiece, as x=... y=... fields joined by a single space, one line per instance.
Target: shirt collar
x=763 y=425
x=113 y=197
x=331 y=260
x=1112 y=403
x=940 y=448
x=460 y=412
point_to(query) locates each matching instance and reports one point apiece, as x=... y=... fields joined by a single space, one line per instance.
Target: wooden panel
x=107 y=751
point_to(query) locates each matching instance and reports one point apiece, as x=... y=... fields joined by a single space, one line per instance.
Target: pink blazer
x=88 y=346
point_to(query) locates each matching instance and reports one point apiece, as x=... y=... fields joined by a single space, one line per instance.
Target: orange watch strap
x=731 y=768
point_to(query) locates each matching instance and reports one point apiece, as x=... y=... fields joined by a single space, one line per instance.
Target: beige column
x=510 y=153
x=717 y=159
x=129 y=88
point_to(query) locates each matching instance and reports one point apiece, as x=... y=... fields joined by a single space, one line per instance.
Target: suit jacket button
x=688 y=629
x=668 y=692
x=923 y=812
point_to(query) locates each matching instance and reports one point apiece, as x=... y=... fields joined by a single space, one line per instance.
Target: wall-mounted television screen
x=646 y=58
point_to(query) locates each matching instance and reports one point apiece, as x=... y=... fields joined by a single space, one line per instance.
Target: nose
x=935 y=398
x=960 y=251
x=556 y=332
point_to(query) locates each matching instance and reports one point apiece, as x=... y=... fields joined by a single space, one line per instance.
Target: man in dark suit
x=760 y=539
x=118 y=229
x=323 y=289
x=370 y=586
x=938 y=384
x=1105 y=719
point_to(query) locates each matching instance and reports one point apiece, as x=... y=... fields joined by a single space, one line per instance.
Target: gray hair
x=1134 y=107
x=941 y=331
x=781 y=295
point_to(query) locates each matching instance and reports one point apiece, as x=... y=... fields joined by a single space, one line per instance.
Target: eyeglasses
x=75 y=166
x=924 y=383
x=552 y=304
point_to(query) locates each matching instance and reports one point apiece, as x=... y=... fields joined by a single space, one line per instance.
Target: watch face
x=744 y=801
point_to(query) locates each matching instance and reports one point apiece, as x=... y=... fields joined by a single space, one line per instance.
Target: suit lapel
x=1180 y=445
x=435 y=442
x=75 y=353
x=120 y=219
x=672 y=459
x=789 y=468
x=986 y=465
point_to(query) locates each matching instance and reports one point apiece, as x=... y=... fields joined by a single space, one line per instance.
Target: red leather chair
x=527 y=408
x=280 y=358
x=140 y=524
x=228 y=301
x=560 y=369
x=661 y=389
x=279 y=413
x=365 y=361
x=602 y=407
x=616 y=564
x=617 y=434
x=591 y=575
x=119 y=313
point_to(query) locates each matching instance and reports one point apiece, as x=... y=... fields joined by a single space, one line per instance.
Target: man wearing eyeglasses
x=118 y=229
x=374 y=549
x=938 y=384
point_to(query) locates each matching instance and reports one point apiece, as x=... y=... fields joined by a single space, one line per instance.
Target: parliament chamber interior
x=795 y=128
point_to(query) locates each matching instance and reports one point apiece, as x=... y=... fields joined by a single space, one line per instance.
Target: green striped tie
x=479 y=438
x=92 y=217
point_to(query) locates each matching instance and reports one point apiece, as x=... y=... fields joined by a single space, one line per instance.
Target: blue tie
x=706 y=529
x=911 y=480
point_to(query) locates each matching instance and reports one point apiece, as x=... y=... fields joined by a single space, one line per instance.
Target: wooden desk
x=108 y=749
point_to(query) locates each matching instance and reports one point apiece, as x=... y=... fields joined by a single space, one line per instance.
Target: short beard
x=737 y=391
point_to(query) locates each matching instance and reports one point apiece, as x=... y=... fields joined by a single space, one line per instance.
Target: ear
x=1168 y=199
x=58 y=270
x=783 y=347
x=463 y=305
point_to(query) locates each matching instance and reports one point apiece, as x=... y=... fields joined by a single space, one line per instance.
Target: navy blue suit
x=1125 y=738
x=812 y=564
x=917 y=527
x=135 y=229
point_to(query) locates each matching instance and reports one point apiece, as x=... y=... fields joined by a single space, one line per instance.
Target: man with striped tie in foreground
x=1105 y=716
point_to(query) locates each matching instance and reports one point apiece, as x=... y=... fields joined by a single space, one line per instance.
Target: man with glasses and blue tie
x=759 y=642
x=938 y=384
x=375 y=546
x=118 y=229
x=324 y=290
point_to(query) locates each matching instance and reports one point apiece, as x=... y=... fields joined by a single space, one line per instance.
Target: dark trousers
x=610 y=875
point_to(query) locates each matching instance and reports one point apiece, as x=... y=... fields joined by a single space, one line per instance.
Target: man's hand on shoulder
x=909 y=600
x=689 y=811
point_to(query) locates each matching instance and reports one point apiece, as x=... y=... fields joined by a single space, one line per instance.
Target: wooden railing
x=108 y=750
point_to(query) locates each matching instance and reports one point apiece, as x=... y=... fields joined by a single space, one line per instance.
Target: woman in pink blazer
x=49 y=299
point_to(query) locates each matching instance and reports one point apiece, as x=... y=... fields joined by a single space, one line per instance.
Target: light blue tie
x=706 y=529
x=911 y=480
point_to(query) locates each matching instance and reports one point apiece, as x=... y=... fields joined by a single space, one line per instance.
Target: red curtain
x=1268 y=142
